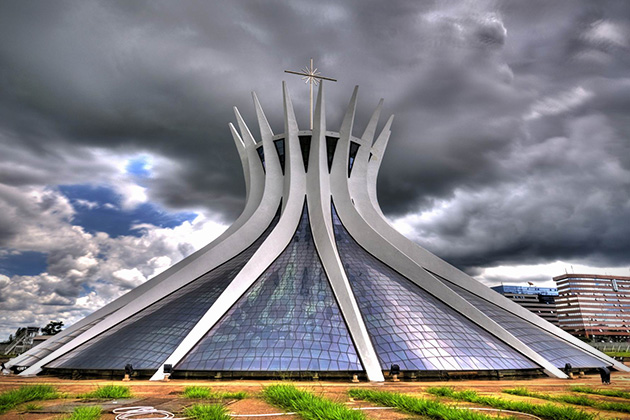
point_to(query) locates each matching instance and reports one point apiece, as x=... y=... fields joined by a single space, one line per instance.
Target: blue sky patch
x=86 y=290
x=98 y=209
x=27 y=263
x=139 y=166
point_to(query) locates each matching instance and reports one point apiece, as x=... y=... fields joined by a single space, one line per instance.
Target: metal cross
x=312 y=77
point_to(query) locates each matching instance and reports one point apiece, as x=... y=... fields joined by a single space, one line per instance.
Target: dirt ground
x=167 y=395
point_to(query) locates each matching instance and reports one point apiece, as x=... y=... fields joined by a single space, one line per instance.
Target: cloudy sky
x=509 y=156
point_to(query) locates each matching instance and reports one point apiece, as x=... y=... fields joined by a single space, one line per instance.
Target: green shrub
x=197 y=392
x=307 y=405
x=523 y=392
x=202 y=392
x=27 y=393
x=570 y=399
x=32 y=407
x=239 y=395
x=109 y=391
x=606 y=392
x=86 y=413
x=207 y=412
x=573 y=399
x=547 y=411
x=613 y=406
x=422 y=406
x=617 y=353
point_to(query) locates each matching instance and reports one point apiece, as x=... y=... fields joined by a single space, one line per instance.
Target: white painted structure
x=332 y=175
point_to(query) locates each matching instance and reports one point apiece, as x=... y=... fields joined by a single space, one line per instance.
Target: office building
x=538 y=300
x=594 y=306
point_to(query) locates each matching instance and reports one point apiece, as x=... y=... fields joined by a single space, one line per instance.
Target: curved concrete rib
x=263 y=124
x=370 y=129
x=255 y=182
x=242 y=153
x=318 y=198
x=279 y=238
x=374 y=165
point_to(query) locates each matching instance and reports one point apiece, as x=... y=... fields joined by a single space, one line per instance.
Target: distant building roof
x=589 y=276
x=526 y=290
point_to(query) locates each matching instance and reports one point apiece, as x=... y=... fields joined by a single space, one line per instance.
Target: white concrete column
x=318 y=194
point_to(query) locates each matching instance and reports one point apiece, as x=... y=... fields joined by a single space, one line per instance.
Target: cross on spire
x=312 y=77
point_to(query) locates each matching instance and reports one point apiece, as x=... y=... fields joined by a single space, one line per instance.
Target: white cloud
x=4 y=281
x=132 y=194
x=560 y=103
x=91 y=205
x=38 y=218
x=607 y=31
x=553 y=200
x=132 y=277
x=541 y=274
x=85 y=271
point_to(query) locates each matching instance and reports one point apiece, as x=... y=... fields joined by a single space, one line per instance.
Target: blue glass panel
x=411 y=328
x=331 y=145
x=287 y=321
x=261 y=155
x=555 y=350
x=305 y=147
x=280 y=149
x=354 y=149
x=147 y=338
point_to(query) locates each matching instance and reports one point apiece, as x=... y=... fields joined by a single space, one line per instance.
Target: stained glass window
x=411 y=328
x=287 y=321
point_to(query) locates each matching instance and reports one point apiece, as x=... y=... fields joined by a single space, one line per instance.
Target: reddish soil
x=167 y=395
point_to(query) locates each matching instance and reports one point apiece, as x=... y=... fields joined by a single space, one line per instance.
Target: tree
x=52 y=328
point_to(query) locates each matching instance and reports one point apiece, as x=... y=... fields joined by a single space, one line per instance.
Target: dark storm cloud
x=511 y=116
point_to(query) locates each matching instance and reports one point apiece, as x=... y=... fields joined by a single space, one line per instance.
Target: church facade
x=311 y=278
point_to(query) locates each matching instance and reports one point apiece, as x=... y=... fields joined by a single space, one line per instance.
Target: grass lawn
x=546 y=398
